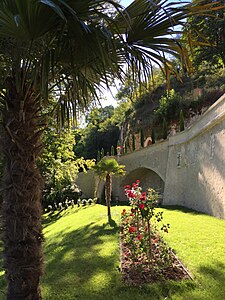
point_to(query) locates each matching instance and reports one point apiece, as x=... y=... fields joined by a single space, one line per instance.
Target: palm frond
x=152 y=33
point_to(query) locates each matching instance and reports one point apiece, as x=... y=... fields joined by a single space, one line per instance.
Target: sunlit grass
x=82 y=257
x=198 y=240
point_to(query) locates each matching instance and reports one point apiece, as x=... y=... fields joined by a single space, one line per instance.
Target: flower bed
x=145 y=257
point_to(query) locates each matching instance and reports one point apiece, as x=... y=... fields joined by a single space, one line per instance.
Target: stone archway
x=148 y=178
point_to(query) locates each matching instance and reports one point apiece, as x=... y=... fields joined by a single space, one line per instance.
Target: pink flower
x=132 y=229
x=140 y=237
x=142 y=206
x=126 y=187
x=134 y=185
x=130 y=194
x=143 y=198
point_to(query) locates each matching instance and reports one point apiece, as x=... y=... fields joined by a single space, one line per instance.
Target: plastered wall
x=195 y=175
x=189 y=167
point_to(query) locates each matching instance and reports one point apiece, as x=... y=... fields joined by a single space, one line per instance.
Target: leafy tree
x=125 y=148
x=165 y=129
x=170 y=106
x=102 y=153
x=106 y=168
x=181 y=120
x=59 y=166
x=112 y=150
x=102 y=131
x=128 y=142
x=43 y=44
x=98 y=156
x=208 y=32
x=99 y=115
x=72 y=48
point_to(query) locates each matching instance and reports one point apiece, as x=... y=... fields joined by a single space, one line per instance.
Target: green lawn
x=82 y=257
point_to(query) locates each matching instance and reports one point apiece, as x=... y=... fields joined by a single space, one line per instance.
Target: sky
x=125 y=2
x=109 y=96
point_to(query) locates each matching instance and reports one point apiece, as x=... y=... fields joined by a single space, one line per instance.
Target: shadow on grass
x=112 y=223
x=52 y=217
x=215 y=279
x=85 y=265
x=182 y=209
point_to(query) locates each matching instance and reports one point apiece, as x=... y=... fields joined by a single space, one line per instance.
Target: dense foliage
x=102 y=131
x=59 y=166
x=208 y=32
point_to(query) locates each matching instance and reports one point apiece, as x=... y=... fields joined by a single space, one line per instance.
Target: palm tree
x=69 y=48
x=38 y=46
x=106 y=168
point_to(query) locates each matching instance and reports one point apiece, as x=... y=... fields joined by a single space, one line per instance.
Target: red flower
x=132 y=229
x=126 y=187
x=130 y=194
x=137 y=181
x=134 y=185
x=143 y=198
x=140 y=236
x=142 y=206
x=133 y=210
x=123 y=212
x=131 y=215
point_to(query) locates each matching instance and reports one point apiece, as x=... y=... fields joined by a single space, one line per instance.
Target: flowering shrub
x=141 y=230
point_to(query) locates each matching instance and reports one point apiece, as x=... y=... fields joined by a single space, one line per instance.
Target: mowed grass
x=199 y=241
x=82 y=257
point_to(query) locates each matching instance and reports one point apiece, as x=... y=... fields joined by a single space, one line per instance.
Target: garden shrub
x=84 y=202
x=89 y=201
x=165 y=129
x=181 y=120
x=141 y=230
x=112 y=151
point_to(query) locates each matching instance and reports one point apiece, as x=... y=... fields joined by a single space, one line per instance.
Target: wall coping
x=214 y=115
x=152 y=146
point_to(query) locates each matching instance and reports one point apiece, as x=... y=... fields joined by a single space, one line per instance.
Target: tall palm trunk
x=22 y=193
x=108 y=193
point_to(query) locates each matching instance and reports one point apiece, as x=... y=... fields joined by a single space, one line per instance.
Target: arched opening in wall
x=101 y=191
x=148 y=179
x=148 y=142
